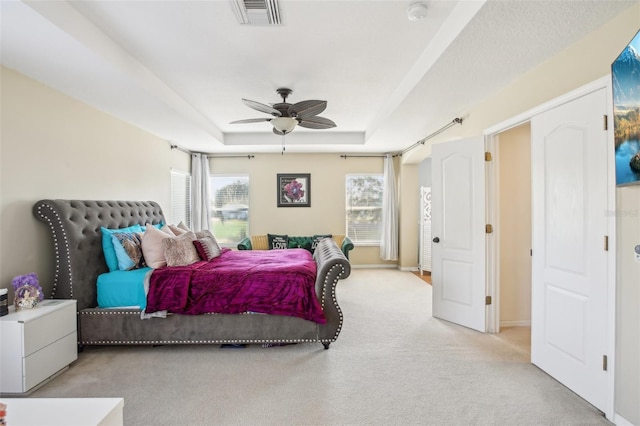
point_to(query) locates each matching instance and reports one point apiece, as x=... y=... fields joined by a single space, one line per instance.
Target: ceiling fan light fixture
x=417 y=10
x=284 y=124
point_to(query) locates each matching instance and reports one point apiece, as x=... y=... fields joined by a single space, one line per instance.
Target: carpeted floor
x=393 y=364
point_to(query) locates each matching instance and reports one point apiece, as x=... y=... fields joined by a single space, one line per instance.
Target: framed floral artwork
x=294 y=190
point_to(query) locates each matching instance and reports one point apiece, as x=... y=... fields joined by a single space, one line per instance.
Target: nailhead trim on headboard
x=56 y=238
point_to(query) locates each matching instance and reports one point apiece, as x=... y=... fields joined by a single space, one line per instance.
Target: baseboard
x=409 y=269
x=384 y=265
x=521 y=323
x=621 y=421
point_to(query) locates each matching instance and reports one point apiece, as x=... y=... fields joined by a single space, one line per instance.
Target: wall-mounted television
x=625 y=75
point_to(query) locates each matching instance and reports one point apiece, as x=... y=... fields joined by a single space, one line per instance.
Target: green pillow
x=277 y=242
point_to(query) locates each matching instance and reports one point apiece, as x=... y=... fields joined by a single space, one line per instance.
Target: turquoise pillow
x=107 y=245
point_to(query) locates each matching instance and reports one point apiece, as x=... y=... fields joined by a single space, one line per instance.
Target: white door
x=569 y=264
x=458 y=232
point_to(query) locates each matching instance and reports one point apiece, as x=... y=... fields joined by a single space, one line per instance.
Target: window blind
x=180 y=197
x=364 y=208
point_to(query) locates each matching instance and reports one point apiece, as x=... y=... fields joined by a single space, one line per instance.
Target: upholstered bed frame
x=77 y=242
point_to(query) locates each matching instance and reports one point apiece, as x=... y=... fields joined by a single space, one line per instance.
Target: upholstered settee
x=273 y=241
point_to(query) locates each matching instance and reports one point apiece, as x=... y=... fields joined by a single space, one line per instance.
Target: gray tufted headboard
x=77 y=240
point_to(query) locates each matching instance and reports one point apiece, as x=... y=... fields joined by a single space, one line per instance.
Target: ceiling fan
x=287 y=116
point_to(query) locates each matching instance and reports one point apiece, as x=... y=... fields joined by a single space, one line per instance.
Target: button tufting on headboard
x=75 y=228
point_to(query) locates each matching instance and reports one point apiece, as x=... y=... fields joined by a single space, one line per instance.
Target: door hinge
x=487 y=156
x=488 y=228
x=487 y=300
x=604 y=362
x=606 y=243
x=531 y=252
x=605 y=123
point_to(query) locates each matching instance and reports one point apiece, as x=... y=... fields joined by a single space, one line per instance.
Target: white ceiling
x=179 y=69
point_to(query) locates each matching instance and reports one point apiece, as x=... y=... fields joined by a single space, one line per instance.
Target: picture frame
x=626 y=118
x=294 y=189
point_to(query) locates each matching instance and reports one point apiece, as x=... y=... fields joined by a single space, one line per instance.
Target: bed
x=75 y=229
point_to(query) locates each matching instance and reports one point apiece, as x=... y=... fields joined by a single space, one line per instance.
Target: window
x=364 y=208
x=229 y=208
x=181 y=197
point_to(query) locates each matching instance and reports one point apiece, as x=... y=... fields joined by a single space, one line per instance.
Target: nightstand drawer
x=46 y=329
x=50 y=359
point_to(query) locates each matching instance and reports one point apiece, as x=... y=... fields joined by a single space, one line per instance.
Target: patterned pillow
x=207 y=248
x=277 y=242
x=180 y=251
x=205 y=233
x=128 y=248
x=107 y=244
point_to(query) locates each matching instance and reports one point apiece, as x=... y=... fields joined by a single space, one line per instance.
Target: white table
x=64 y=411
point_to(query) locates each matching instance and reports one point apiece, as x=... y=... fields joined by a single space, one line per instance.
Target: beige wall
x=327 y=211
x=514 y=153
x=409 y=230
x=53 y=146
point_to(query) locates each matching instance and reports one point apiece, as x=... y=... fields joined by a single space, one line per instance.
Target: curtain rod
x=186 y=151
x=345 y=156
x=249 y=156
x=455 y=121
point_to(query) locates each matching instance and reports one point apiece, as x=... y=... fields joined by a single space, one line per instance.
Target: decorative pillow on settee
x=277 y=242
x=259 y=242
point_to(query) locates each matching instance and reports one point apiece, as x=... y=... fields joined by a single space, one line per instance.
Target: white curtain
x=389 y=243
x=200 y=208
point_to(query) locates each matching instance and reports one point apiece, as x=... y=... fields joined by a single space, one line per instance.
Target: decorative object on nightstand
x=4 y=302
x=27 y=291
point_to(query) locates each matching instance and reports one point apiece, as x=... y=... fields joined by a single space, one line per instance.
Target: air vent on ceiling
x=257 y=12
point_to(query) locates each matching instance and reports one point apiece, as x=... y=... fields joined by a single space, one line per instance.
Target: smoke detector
x=417 y=10
x=257 y=12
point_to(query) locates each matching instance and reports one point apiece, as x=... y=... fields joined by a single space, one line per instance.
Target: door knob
x=436 y=240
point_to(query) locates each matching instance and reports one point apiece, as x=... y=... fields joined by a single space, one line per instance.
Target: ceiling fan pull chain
x=282 y=144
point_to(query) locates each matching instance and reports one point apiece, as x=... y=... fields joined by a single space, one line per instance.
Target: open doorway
x=513 y=230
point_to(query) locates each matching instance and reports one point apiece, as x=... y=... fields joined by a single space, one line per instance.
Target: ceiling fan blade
x=307 y=108
x=250 y=120
x=316 y=123
x=261 y=107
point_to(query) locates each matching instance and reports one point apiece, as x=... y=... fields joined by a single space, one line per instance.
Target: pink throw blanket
x=278 y=282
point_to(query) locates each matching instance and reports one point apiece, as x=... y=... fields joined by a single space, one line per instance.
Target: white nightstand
x=36 y=343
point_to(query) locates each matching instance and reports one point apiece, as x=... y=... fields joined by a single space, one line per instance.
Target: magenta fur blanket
x=277 y=282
